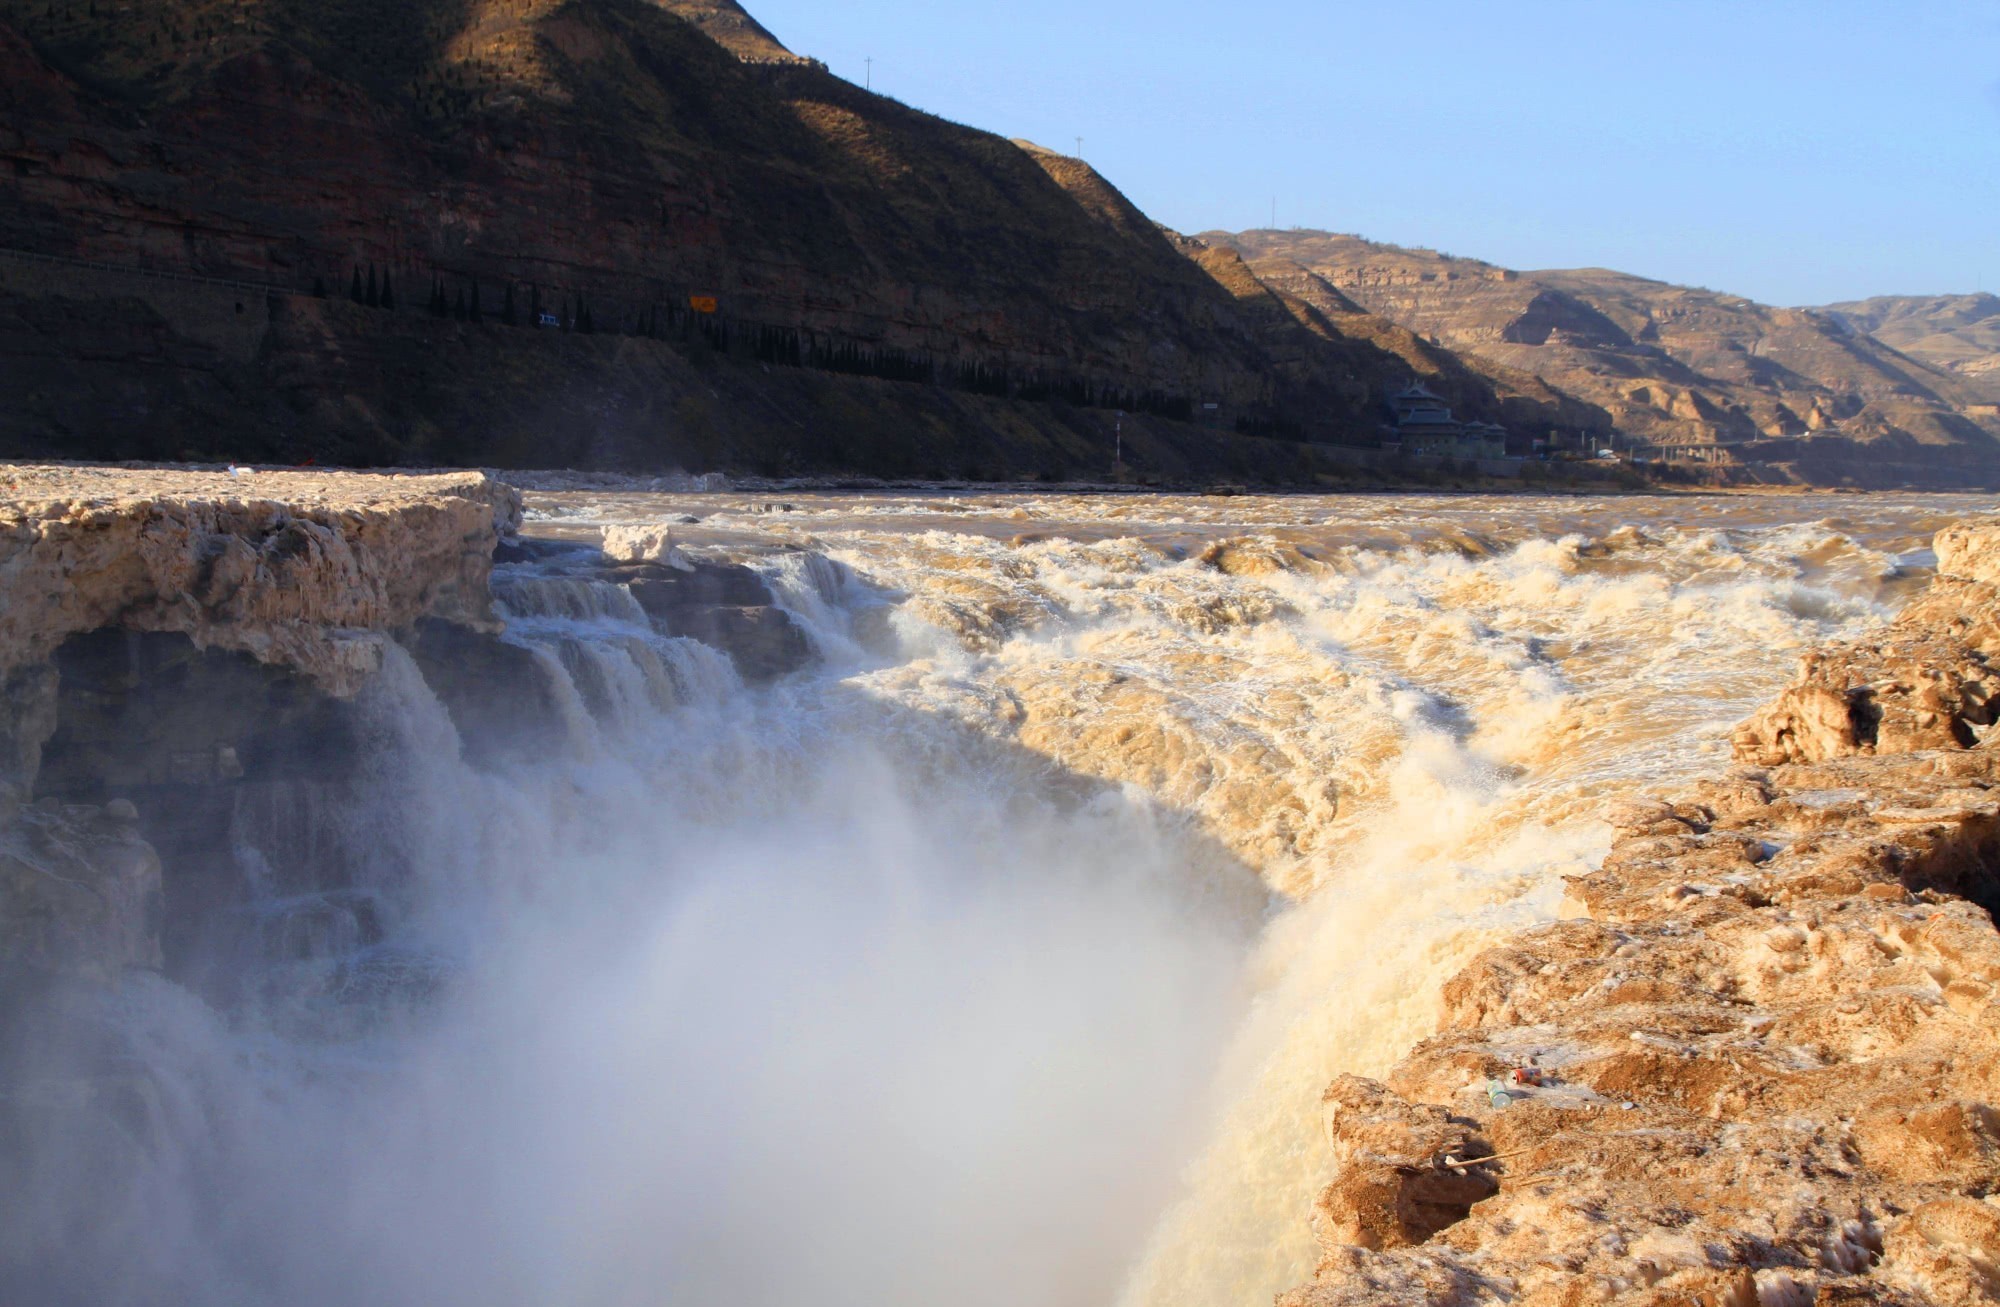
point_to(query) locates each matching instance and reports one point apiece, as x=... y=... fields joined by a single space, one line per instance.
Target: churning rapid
x=999 y=956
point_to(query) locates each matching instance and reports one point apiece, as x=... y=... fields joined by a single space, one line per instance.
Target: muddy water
x=1000 y=957
x=1404 y=714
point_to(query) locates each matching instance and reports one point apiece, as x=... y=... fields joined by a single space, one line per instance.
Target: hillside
x=1959 y=334
x=613 y=164
x=1671 y=365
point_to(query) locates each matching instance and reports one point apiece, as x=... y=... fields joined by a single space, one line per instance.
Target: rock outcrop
x=1931 y=681
x=300 y=570
x=1760 y=1065
x=181 y=653
x=164 y=631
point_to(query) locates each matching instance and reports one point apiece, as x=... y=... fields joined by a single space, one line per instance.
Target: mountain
x=1953 y=333
x=1670 y=365
x=639 y=233
x=664 y=173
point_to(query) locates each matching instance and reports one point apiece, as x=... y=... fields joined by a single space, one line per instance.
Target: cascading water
x=999 y=958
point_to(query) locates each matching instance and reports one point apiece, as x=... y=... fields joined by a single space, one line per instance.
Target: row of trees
x=783 y=346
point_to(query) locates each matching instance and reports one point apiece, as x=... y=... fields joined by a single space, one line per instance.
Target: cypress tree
x=507 y=306
x=374 y=300
x=388 y=292
x=354 y=290
x=583 y=323
x=568 y=318
x=319 y=288
x=438 y=307
x=458 y=309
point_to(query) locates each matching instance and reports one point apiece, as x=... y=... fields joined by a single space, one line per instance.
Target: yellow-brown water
x=998 y=958
x=1405 y=714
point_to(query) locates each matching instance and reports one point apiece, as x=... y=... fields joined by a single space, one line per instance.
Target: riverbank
x=1756 y=1061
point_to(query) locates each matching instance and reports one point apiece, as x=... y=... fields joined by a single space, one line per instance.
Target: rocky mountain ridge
x=1959 y=334
x=660 y=173
x=1757 y=1063
x=1670 y=366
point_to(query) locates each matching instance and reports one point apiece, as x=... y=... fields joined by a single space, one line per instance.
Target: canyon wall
x=1757 y=1064
x=462 y=170
x=179 y=653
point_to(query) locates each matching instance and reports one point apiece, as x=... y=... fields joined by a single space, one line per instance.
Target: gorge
x=415 y=889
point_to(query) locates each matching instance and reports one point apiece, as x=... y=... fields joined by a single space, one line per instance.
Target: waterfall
x=999 y=958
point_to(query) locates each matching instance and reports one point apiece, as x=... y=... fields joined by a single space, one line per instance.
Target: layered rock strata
x=1759 y=1063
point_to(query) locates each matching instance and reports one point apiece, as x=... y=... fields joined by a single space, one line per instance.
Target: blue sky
x=1795 y=152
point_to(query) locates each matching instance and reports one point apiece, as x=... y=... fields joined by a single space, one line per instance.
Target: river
x=1000 y=957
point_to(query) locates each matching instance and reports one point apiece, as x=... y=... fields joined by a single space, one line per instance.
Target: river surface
x=999 y=958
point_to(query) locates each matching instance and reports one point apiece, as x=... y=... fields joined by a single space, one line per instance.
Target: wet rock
x=1767 y=1061
x=662 y=592
x=644 y=544
x=528 y=549
x=1931 y=681
x=764 y=642
x=27 y=719
x=287 y=567
x=499 y=695
x=76 y=897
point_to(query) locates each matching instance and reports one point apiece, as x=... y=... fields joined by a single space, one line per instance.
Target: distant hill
x=631 y=158
x=744 y=260
x=1671 y=365
x=1956 y=333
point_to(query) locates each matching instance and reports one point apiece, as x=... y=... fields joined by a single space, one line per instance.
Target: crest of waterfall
x=612 y=667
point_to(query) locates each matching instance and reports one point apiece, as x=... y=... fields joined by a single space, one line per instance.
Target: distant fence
x=128 y=270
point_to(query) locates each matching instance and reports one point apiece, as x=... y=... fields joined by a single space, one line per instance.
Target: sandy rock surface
x=299 y=569
x=1932 y=680
x=1759 y=1065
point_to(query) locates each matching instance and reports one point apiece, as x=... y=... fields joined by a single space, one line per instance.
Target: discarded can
x=1527 y=1075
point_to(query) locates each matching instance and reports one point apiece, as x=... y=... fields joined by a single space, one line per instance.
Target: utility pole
x=1274 y=213
x=1079 y=149
x=1118 y=448
x=870 y=85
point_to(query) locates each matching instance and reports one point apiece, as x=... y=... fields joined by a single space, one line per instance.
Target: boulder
x=763 y=641
x=499 y=695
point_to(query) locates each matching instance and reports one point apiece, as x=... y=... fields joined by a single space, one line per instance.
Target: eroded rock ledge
x=160 y=629
x=287 y=567
x=1767 y=1046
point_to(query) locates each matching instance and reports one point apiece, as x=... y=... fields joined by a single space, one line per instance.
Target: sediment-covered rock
x=297 y=569
x=172 y=636
x=1930 y=681
x=1761 y=1064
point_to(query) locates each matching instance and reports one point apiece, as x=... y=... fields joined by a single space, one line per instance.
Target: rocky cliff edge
x=307 y=573
x=1759 y=1065
x=297 y=569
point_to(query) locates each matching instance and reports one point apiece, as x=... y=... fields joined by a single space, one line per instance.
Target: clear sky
x=1797 y=151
